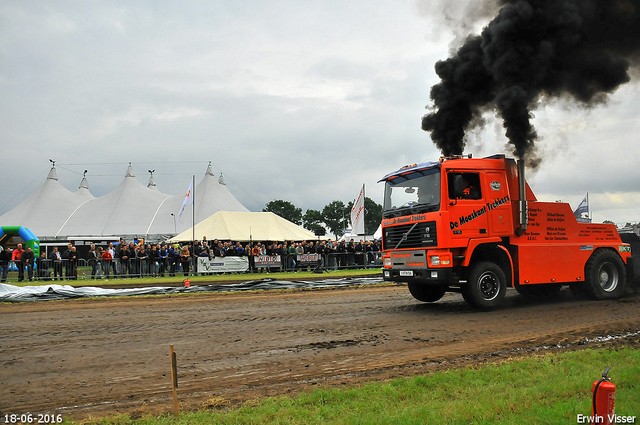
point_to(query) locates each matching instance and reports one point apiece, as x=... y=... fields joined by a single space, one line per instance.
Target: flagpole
x=193 y=226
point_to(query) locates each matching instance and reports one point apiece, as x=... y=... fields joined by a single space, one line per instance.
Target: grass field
x=545 y=389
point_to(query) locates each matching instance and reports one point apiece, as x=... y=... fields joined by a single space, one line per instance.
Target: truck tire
x=605 y=275
x=427 y=293
x=486 y=286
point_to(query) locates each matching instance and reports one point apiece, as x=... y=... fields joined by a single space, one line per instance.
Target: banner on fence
x=267 y=261
x=223 y=264
x=308 y=258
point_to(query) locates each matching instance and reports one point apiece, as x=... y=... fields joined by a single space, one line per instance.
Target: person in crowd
x=5 y=261
x=291 y=250
x=173 y=259
x=205 y=248
x=154 y=266
x=143 y=258
x=107 y=258
x=28 y=259
x=66 y=255
x=197 y=249
x=114 y=254
x=163 y=257
x=16 y=257
x=92 y=259
x=185 y=257
x=56 y=263
x=132 y=263
x=123 y=258
x=99 y=253
x=73 y=263
x=43 y=267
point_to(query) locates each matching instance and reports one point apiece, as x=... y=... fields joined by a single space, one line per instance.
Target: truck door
x=467 y=209
x=498 y=205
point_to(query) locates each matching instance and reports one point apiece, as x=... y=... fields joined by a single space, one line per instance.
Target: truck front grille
x=406 y=236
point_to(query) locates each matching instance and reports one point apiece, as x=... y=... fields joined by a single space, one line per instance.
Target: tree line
x=335 y=216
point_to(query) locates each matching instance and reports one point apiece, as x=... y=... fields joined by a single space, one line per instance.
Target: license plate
x=406 y=272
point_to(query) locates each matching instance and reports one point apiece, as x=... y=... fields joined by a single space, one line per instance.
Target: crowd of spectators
x=138 y=258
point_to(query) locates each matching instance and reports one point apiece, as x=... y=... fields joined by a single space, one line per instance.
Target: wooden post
x=174 y=379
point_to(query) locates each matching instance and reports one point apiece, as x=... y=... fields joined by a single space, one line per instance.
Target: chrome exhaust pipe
x=524 y=219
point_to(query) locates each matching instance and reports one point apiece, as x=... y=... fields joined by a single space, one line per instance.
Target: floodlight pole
x=193 y=228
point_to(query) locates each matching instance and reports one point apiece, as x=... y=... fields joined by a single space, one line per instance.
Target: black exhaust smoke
x=531 y=51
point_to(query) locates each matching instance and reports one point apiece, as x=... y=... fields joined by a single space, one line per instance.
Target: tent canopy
x=245 y=226
x=131 y=210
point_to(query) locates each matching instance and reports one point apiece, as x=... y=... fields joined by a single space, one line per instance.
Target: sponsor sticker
x=406 y=272
x=586 y=247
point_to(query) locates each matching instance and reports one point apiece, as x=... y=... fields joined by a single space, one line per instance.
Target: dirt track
x=94 y=357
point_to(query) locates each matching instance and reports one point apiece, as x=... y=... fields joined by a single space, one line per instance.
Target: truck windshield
x=416 y=195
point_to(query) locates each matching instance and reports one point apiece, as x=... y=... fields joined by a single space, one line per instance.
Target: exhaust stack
x=522 y=186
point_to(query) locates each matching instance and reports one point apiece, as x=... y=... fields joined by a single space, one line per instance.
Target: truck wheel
x=486 y=286
x=605 y=275
x=427 y=293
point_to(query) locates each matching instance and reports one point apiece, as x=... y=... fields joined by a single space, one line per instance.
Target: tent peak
x=53 y=174
x=130 y=172
x=209 y=171
x=152 y=183
x=84 y=184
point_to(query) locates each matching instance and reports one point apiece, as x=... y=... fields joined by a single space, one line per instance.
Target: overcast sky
x=297 y=100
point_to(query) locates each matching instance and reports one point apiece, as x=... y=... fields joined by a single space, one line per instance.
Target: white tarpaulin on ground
x=11 y=293
x=245 y=226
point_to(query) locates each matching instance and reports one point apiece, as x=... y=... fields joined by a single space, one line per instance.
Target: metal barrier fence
x=54 y=270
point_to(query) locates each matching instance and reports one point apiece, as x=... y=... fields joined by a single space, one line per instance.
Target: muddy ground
x=86 y=358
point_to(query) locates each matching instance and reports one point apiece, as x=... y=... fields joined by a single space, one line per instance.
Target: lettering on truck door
x=498 y=204
x=468 y=210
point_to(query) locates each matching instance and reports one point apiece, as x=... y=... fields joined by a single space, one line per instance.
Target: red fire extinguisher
x=604 y=400
x=187 y=283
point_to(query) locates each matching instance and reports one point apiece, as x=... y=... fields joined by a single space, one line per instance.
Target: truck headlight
x=387 y=261
x=440 y=260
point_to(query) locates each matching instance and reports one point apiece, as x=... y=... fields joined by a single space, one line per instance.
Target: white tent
x=211 y=195
x=130 y=210
x=246 y=226
x=48 y=208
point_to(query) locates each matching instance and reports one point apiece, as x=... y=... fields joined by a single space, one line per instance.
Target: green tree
x=335 y=216
x=372 y=215
x=284 y=209
x=312 y=220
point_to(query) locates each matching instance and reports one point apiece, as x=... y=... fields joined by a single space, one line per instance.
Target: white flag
x=357 y=215
x=188 y=199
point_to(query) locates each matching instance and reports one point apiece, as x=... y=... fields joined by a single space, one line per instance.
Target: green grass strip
x=546 y=389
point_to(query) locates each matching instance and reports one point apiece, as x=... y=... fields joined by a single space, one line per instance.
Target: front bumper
x=424 y=276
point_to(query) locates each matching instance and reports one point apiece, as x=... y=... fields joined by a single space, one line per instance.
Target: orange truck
x=473 y=225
